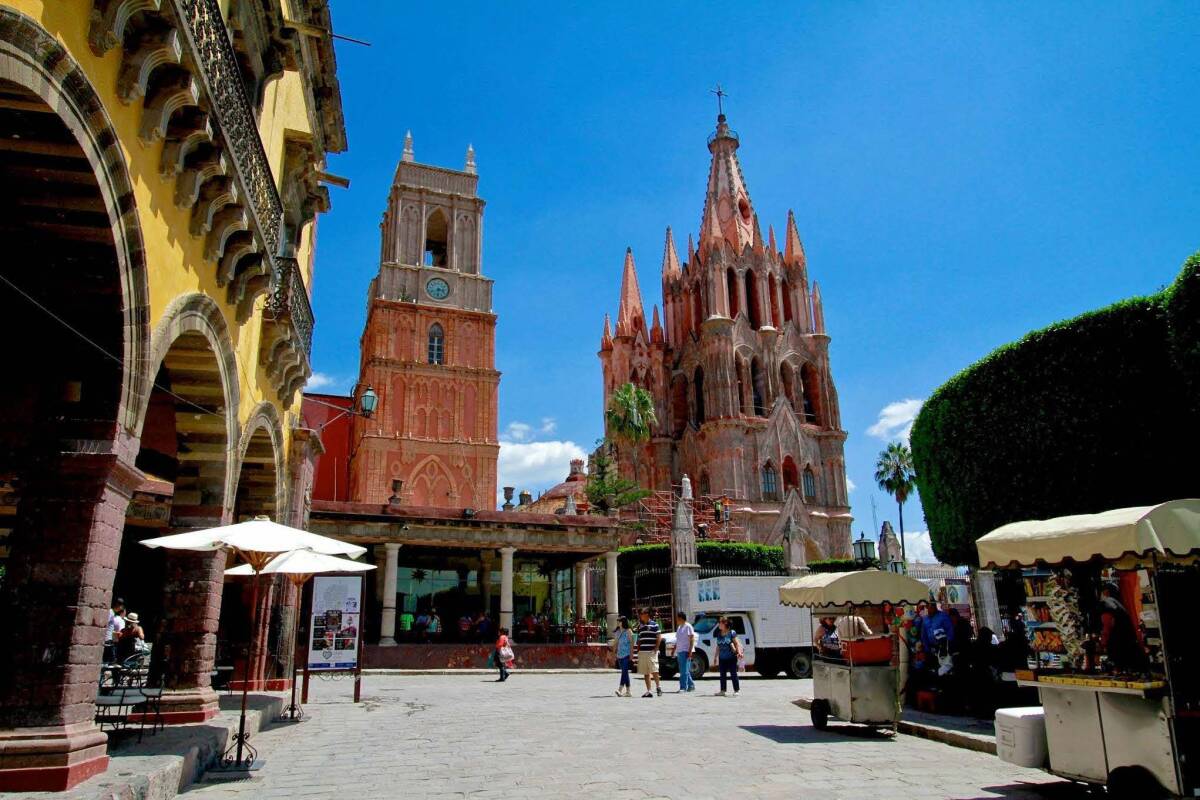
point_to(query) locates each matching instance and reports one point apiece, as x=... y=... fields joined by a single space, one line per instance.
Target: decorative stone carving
x=214 y=195
x=203 y=165
x=226 y=222
x=109 y=19
x=173 y=92
x=154 y=47
x=185 y=133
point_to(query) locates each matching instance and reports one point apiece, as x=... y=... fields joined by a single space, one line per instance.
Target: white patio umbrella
x=299 y=566
x=257 y=542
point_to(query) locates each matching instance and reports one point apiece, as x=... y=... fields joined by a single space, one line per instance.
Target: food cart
x=1126 y=721
x=862 y=685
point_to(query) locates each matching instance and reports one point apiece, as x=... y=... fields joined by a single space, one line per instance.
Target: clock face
x=438 y=289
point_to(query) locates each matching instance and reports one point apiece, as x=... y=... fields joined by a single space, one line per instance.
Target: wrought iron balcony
x=287 y=329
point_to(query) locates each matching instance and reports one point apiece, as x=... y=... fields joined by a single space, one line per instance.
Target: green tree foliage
x=630 y=420
x=733 y=555
x=895 y=474
x=607 y=491
x=1083 y=416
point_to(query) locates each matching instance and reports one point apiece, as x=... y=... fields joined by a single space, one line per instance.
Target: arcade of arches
x=137 y=402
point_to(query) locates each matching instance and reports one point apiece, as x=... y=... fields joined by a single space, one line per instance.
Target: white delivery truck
x=776 y=638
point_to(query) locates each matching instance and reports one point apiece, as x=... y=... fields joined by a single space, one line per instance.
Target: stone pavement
x=568 y=736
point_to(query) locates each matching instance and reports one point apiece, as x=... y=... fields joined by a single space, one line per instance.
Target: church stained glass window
x=770 y=482
x=810 y=486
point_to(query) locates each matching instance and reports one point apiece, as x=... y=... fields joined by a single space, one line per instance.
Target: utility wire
x=97 y=345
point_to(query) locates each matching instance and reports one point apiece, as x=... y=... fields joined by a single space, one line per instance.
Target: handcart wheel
x=820 y=714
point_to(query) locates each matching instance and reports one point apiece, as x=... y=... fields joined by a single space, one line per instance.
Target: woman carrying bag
x=503 y=654
x=622 y=646
x=729 y=654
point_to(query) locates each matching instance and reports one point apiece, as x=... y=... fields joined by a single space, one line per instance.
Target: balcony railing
x=289 y=300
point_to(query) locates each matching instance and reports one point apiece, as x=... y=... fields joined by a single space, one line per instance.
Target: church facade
x=738 y=366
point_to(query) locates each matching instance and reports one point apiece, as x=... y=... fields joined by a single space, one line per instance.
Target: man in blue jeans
x=685 y=645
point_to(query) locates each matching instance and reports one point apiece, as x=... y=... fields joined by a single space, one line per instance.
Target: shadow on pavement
x=806 y=734
x=1059 y=790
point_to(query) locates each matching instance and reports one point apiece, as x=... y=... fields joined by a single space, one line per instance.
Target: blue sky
x=960 y=173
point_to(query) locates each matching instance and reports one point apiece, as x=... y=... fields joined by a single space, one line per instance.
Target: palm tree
x=895 y=474
x=631 y=420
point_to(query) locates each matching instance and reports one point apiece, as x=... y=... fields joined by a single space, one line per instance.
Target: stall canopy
x=868 y=587
x=1168 y=531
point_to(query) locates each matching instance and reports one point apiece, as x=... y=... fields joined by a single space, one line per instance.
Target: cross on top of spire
x=721 y=95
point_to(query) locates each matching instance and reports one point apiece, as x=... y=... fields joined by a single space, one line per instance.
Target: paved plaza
x=567 y=735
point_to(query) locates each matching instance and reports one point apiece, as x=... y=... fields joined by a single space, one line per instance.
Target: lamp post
x=864 y=550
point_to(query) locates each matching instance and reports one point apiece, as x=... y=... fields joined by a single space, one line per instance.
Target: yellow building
x=161 y=167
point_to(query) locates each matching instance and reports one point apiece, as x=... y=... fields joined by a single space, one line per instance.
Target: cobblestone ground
x=568 y=736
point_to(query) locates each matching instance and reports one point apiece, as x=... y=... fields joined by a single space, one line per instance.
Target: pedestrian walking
x=685 y=646
x=648 y=639
x=623 y=649
x=504 y=654
x=729 y=651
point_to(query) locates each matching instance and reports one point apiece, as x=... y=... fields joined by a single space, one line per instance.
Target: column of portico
x=486 y=558
x=387 y=616
x=610 y=590
x=506 y=586
x=581 y=590
x=380 y=571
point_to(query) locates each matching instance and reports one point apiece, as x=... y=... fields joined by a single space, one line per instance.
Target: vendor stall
x=1121 y=697
x=855 y=674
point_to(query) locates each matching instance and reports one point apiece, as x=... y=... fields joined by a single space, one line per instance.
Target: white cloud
x=549 y=426
x=850 y=485
x=918 y=546
x=517 y=432
x=324 y=382
x=896 y=420
x=535 y=465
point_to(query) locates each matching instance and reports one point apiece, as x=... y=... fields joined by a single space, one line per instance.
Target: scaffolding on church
x=712 y=515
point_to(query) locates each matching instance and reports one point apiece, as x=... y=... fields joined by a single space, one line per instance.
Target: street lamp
x=360 y=406
x=864 y=550
x=367 y=402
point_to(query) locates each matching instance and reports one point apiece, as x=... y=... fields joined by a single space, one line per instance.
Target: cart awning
x=1169 y=530
x=868 y=587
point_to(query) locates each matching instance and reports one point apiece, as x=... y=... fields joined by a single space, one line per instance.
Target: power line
x=97 y=345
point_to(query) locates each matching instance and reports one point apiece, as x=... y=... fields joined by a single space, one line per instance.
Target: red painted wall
x=331 y=480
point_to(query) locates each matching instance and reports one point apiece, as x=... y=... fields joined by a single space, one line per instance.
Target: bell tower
x=428 y=347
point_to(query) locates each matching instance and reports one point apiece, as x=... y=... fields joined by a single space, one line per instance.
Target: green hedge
x=1082 y=416
x=737 y=555
x=1183 y=309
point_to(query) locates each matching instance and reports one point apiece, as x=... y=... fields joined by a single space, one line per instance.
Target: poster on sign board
x=335 y=623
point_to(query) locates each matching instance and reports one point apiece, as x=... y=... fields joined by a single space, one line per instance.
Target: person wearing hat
x=132 y=637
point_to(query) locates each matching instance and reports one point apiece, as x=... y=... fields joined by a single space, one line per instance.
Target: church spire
x=728 y=214
x=691 y=250
x=631 y=316
x=670 y=265
x=470 y=167
x=818 y=309
x=758 y=242
x=606 y=337
x=774 y=248
x=656 y=329
x=793 y=250
x=407 y=155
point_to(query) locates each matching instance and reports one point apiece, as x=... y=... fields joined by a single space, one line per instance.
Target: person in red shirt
x=504 y=654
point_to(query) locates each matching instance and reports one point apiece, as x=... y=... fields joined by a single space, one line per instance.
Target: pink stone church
x=738 y=366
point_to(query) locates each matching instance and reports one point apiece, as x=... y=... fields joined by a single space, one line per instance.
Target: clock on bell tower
x=428 y=347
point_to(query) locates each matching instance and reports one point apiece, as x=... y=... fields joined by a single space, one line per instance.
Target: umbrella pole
x=293 y=711
x=240 y=740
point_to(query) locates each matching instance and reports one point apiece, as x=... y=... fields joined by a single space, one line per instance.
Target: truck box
x=776 y=625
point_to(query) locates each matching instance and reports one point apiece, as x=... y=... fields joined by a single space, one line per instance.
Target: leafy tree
x=607 y=491
x=895 y=474
x=631 y=419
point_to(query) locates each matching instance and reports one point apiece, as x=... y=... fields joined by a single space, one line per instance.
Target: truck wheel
x=820 y=714
x=800 y=665
x=768 y=670
x=1134 y=782
x=699 y=665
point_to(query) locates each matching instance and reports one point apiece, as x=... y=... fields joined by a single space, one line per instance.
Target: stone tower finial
x=793 y=252
x=470 y=160
x=818 y=310
x=407 y=155
x=774 y=248
x=631 y=315
x=728 y=213
x=670 y=265
x=606 y=337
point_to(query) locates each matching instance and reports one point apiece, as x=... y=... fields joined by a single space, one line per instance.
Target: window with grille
x=770 y=482
x=437 y=345
x=810 y=485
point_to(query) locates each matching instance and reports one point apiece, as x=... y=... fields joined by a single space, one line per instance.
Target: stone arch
x=698 y=388
x=431 y=482
x=753 y=306
x=776 y=321
x=787 y=300
x=261 y=446
x=811 y=389
x=758 y=388
x=436 y=252
x=679 y=405
x=731 y=287
x=769 y=481
x=34 y=60
x=791 y=474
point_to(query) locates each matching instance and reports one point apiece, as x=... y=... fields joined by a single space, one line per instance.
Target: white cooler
x=1021 y=736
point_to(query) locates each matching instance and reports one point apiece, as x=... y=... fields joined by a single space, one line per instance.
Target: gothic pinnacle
x=793 y=252
x=470 y=167
x=408 y=147
x=670 y=265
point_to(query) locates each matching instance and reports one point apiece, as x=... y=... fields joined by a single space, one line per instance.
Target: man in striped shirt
x=648 y=639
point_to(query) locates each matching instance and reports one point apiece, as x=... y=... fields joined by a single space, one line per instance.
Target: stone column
x=611 y=601
x=54 y=601
x=506 y=586
x=380 y=571
x=486 y=559
x=581 y=590
x=387 y=616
